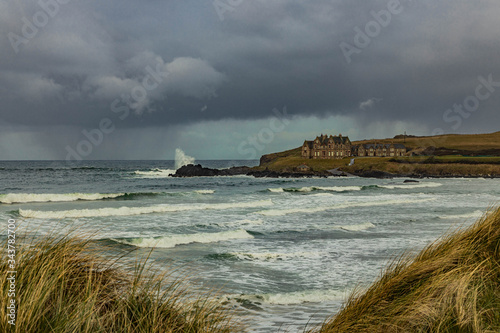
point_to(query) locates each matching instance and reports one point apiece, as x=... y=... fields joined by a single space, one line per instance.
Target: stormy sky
x=234 y=79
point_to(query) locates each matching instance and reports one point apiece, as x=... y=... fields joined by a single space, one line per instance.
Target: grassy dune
x=453 y=285
x=67 y=285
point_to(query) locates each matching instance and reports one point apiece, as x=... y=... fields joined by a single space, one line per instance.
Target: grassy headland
x=452 y=155
x=67 y=285
x=453 y=285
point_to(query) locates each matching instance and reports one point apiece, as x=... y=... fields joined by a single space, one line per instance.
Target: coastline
x=198 y=170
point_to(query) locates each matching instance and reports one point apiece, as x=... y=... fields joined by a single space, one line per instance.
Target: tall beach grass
x=453 y=285
x=69 y=284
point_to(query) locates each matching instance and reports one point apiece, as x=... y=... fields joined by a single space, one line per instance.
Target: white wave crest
x=182 y=159
x=475 y=214
x=174 y=240
x=156 y=173
x=281 y=212
x=404 y=186
x=48 y=197
x=204 y=191
x=276 y=190
x=298 y=297
x=127 y=211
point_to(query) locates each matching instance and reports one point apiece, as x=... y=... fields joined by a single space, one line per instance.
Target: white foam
x=156 y=173
x=475 y=214
x=204 y=191
x=281 y=212
x=127 y=211
x=357 y=227
x=48 y=197
x=298 y=297
x=182 y=159
x=276 y=190
x=412 y=185
x=174 y=240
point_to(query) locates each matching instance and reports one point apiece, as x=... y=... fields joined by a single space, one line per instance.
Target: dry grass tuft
x=69 y=285
x=453 y=285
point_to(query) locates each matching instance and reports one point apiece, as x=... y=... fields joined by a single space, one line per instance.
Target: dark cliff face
x=265 y=159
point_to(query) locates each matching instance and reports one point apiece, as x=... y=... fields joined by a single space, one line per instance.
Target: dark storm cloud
x=263 y=54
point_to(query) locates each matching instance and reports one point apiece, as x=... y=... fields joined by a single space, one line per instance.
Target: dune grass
x=71 y=285
x=453 y=285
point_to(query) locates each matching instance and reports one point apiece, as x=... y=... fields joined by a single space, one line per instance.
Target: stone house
x=338 y=147
x=327 y=147
x=379 y=150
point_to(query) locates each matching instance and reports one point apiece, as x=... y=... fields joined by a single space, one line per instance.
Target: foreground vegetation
x=67 y=285
x=452 y=285
x=70 y=285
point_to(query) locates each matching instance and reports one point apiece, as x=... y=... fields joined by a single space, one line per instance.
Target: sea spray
x=182 y=159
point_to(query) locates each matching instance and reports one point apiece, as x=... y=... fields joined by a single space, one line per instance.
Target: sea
x=284 y=253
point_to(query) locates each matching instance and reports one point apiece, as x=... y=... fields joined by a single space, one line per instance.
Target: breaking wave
x=182 y=159
x=281 y=212
x=155 y=173
x=204 y=191
x=315 y=188
x=292 y=298
x=11 y=198
x=127 y=211
x=174 y=240
x=476 y=214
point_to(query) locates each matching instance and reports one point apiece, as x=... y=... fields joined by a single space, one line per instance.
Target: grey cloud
x=264 y=54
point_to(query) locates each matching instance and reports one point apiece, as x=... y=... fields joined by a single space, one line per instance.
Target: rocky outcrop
x=191 y=170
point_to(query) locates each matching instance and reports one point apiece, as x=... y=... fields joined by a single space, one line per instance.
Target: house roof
x=325 y=139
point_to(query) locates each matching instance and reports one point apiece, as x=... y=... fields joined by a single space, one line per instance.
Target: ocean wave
x=240 y=223
x=410 y=185
x=281 y=212
x=276 y=190
x=357 y=227
x=315 y=188
x=476 y=214
x=155 y=173
x=292 y=298
x=204 y=191
x=174 y=240
x=127 y=211
x=274 y=256
x=11 y=198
